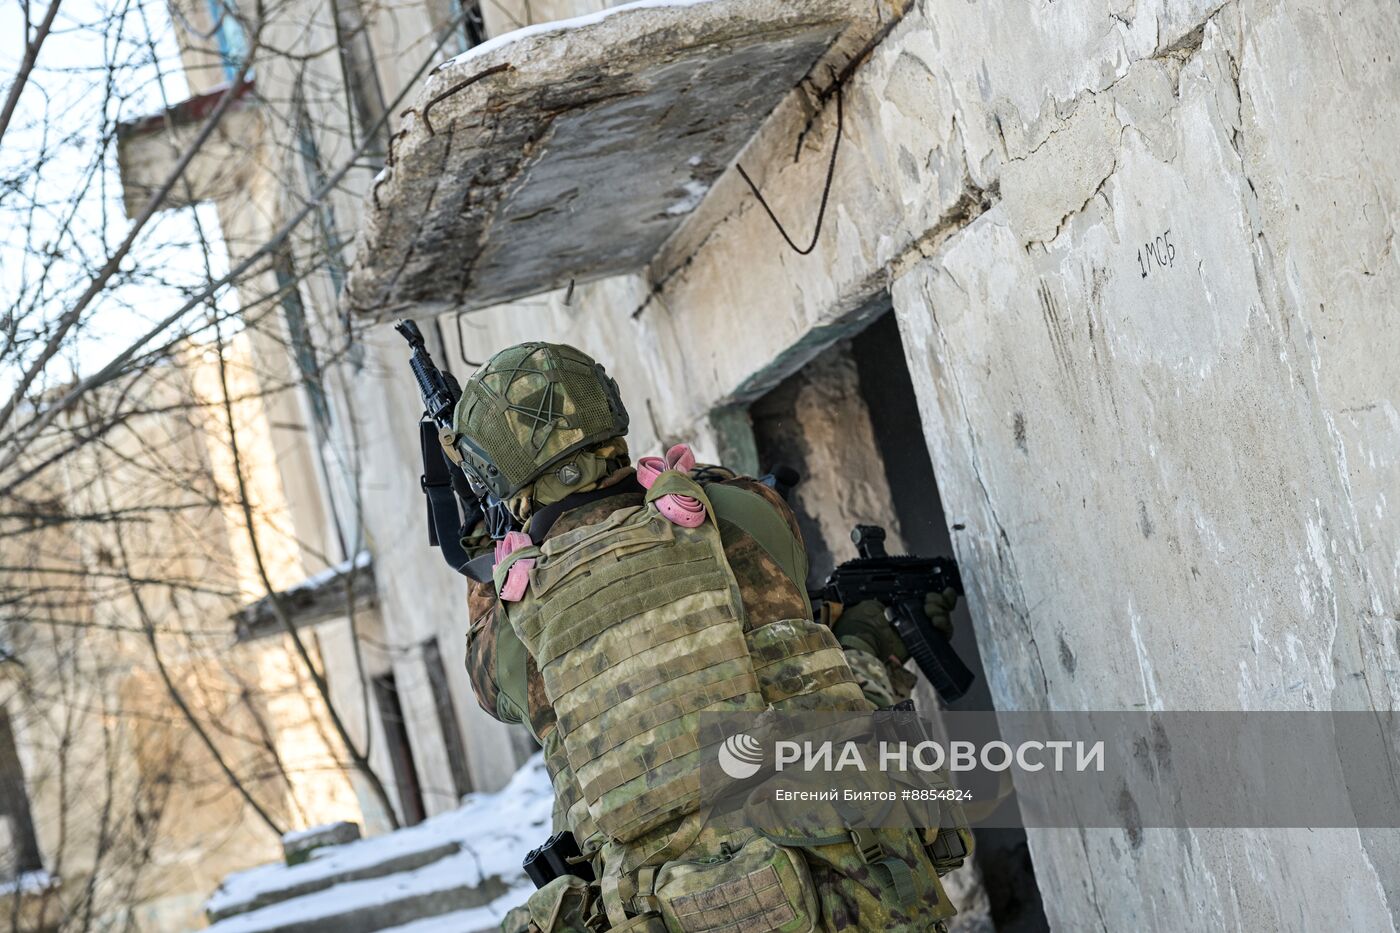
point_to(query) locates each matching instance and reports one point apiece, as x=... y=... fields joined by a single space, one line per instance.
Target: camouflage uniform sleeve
x=875 y=653
x=483 y=611
x=500 y=668
x=763 y=548
x=872 y=649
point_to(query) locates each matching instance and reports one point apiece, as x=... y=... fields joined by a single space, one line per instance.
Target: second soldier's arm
x=877 y=654
x=874 y=652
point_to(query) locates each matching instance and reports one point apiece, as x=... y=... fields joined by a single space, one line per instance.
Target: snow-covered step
x=460 y=869
x=485 y=919
x=274 y=884
x=446 y=886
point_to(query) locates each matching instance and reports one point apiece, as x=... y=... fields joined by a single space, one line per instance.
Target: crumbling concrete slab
x=570 y=152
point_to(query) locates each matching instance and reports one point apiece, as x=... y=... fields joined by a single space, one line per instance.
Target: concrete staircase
x=458 y=872
x=377 y=897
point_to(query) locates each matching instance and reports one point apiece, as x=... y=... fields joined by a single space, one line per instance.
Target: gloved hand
x=939 y=609
x=864 y=625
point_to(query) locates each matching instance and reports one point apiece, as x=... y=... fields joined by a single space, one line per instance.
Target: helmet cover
x=529 y=407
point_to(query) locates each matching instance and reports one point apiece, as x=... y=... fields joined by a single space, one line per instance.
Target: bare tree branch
x=109 y=268
x=26 y=65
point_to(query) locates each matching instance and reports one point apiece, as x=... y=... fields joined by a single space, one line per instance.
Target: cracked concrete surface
x=1200 y=515
x=572 y=152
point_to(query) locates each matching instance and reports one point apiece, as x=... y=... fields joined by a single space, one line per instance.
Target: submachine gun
x=900 y=583
x=558 y=856
x=453 y=509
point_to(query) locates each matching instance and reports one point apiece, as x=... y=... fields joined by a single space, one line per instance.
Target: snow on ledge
x=560 y=25
x=360 y=561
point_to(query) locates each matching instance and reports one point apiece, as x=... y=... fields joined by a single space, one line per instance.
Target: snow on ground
x=494 y=831
x=36 y=882
x=455 y=871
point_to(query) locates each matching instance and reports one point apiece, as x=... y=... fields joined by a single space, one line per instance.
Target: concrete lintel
x=148 y=148
x=328 y=596
x=572 y=151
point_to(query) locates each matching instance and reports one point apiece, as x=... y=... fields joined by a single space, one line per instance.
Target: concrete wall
x=353 y=696
x=1222 y=421
x=1173 y=470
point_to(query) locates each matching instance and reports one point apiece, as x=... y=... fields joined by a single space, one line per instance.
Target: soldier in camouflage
x=628 y=608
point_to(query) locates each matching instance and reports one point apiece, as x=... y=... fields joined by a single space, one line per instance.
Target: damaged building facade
x=1096 y=296
x=1137 y=259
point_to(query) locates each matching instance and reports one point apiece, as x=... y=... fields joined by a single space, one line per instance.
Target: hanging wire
x=462 y=342
x=826 y=189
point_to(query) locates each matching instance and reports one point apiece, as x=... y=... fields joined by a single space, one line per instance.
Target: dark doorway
x=447 y=717
x=848 y=422
x=888 y=393
x=386 y=696
x=16 y=823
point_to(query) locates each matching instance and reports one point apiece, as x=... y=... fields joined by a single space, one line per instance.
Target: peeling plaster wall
x=1174 y=473
x=1174 y=470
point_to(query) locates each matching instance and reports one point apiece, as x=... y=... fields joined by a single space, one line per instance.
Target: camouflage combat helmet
x=530 y=406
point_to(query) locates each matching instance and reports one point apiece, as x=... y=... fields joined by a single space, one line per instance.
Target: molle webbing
x=637 y=627
x=650 y=584
x=570 y=810
x=800 y=665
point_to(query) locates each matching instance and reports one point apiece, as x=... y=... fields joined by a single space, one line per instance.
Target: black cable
x=826 y=190
x=462 y=343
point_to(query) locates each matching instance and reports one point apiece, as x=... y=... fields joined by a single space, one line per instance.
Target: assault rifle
x=900 y=583
x=440 y=390
x=453 y=509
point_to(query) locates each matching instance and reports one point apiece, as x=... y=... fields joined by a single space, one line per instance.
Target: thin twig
x=26 y=67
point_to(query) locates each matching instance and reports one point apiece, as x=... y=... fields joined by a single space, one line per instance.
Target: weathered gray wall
x=1174 y=477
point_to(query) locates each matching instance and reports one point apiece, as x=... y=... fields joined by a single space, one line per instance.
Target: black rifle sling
x=479 y=568
x=444 y=516
x=543 y=520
